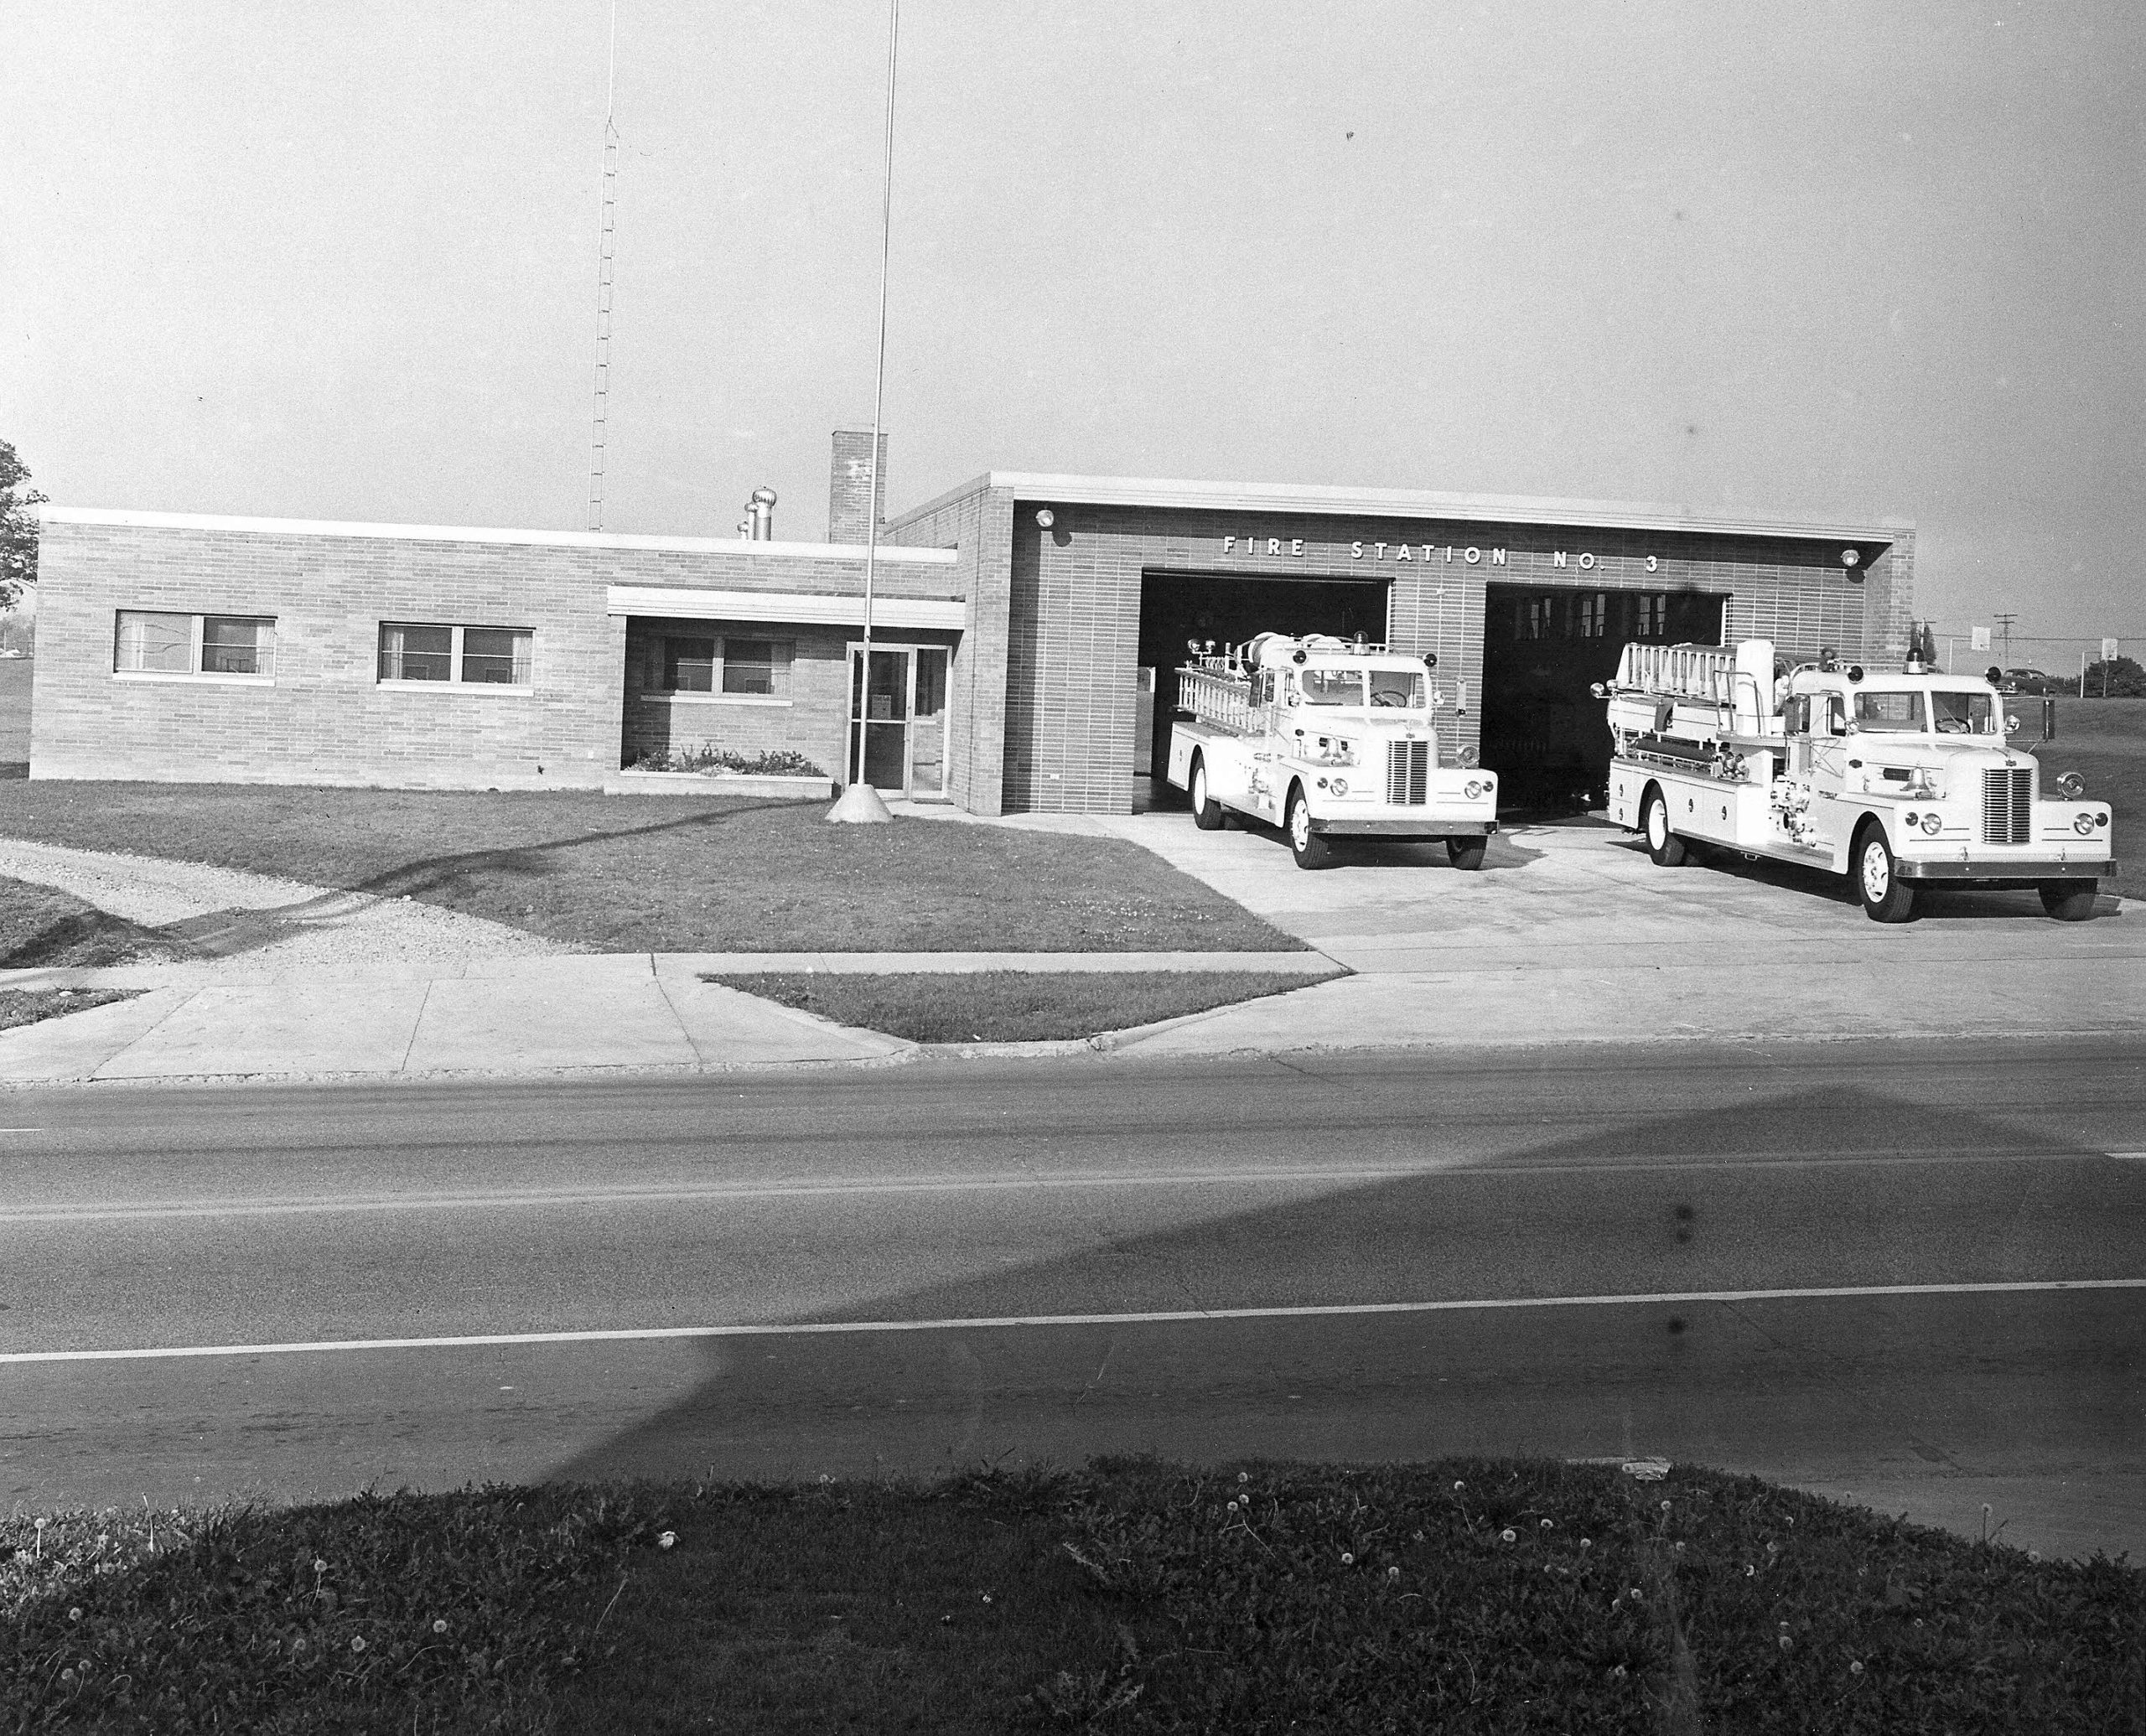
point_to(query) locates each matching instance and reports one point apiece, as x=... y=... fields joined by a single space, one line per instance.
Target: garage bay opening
x=1229 y=608
x=1543 y=646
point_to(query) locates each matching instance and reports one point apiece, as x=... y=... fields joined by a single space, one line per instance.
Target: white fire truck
x=1899 y=778
x=1326 y=737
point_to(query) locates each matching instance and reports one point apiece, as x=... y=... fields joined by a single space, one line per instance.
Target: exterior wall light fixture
x=1044 y=517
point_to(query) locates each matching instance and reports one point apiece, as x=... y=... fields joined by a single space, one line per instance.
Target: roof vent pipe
x=763 y=506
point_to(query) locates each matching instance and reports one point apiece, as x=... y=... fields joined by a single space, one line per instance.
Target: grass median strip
x=1007 y=1006
x=41 y=928
x=1134 y=1595
x=620 y=874
x=31 y=1006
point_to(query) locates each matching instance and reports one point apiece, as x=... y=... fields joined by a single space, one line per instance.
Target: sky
x=1844 y=262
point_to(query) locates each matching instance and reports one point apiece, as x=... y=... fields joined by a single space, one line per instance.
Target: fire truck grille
x=2008 y=798
x=1408 y=773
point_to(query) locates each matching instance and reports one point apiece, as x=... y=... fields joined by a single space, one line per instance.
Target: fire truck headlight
x=2070 y=785
x=1473 y=789
x=1931 y=822
x=2083 y=825
x=1340 y=786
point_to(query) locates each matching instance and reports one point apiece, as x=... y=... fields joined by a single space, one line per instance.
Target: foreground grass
x=1135 y=1596
x=40 y=927
x=31 y=1006
x=678 y=875
x=2104 y=741
x=1009 y=1006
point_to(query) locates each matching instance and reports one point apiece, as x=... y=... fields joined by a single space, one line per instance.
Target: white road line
x=994 y=1323
x=477 y=1200
x=2138 y=1156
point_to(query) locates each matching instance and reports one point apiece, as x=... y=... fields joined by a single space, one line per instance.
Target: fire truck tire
x=1308 y=846
x=1886 y=897
x=1206 y=811
x=1466 y=853
x=2068 y=901
x=1662 y=844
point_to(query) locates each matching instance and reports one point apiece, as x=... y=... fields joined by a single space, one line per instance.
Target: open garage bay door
x=1229 y=608
x=1543 y=732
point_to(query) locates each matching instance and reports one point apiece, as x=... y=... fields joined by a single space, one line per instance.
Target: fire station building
x=1024 y=630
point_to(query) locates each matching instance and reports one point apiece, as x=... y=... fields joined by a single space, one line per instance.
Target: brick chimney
x=849 y=485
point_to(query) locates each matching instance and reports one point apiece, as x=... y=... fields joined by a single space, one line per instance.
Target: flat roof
x=51 y=514
x=1045 y=487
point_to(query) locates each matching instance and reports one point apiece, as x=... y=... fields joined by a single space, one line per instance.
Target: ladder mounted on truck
x=1716 y=691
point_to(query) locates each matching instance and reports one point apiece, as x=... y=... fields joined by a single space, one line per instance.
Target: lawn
x=15 y=716
x=1009 y=1006
x=32 y=1006
x=1467 y=1595
x=679 y=875
x=41 y=928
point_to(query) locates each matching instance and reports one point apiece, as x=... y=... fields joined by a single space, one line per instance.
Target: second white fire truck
x=1325 y=738
x=1898 y=778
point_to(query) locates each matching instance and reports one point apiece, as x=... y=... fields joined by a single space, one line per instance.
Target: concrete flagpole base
x=860 y=806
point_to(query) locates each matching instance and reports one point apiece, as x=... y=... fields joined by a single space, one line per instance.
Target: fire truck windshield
x=1896 y=713
x=1398 y=686
x=1333 y=686
x=1964 y=713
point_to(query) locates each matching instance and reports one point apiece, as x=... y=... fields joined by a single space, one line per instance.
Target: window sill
x=500 y=690
x=212 y=681
x=713 y=699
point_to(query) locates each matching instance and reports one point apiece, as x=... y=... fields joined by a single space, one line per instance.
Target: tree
x=2125 y=679
x=17 y=527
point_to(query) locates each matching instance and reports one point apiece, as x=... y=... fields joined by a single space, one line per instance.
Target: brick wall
x=977 y=524
x=850 y=485
x=326 y=718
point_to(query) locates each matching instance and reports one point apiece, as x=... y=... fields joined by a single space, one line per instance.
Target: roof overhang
x=691 y=602
x=1052 y=489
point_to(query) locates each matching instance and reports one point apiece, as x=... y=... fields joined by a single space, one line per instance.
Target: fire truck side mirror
x=1598 y=690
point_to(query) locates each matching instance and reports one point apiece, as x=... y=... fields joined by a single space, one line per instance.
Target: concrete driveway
x=1570 y=934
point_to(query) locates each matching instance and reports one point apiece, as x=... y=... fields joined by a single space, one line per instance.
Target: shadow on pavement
x=1918 y=1385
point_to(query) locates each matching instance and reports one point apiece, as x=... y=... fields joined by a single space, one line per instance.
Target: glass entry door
x=901 y=705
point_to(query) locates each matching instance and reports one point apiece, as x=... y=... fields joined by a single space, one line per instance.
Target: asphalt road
x=1912 y=1271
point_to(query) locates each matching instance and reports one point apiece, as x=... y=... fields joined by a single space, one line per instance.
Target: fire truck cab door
x=1829 y=740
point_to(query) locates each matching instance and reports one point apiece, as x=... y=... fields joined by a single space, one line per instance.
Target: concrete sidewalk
x=572 y=1012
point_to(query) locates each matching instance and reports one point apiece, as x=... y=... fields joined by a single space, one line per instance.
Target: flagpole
x=866 y=805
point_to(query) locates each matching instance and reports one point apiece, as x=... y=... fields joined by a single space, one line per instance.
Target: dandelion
x=1232 y=1507
x=1508 y=1535
x=1773 y=1549
x=1244 y=1476
x=1678 y=1545
x=1457 y=1487
x=66 y=1675
x=1418 y=1536
x=1787 y=1644
x=1619 y=1672
x=1347 y=1559
x=668 y=1540
x=357 y=1642
x=298 y=1643
x=1749 y=1571
x=1665 y=1506
x=1634 y=1594
x=987 y=1597
x=439 y=1625
x=1587 y=1542
x=2034 y=1555
x=75 y=1614
x=1549 y=1524
x=319 y=1566
x=1393 y=1572
x=1855 y=1666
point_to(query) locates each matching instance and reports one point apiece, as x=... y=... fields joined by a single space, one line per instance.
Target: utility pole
x=2004 y=626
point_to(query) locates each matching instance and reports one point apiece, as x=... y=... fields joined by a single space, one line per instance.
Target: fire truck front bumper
x=2000 y=875
x=1424 y=829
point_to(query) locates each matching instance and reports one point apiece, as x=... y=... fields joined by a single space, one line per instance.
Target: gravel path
x=250 y=924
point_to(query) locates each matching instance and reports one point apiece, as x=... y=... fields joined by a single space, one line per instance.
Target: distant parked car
x=2026 y=681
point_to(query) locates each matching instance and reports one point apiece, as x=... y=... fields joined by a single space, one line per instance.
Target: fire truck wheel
x=1886 y=897
x=1466 y=853
x=1662 y=844
x=2068 y=901
x=1308 y=846
x=1206 y=812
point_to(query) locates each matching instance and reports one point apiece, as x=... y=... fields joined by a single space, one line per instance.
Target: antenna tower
x=604 y=253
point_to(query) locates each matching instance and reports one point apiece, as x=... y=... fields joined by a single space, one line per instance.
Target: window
x=1397 y=687
x=1334 y=686
x=157 y=642
x=689 y=665
x=1882 y=713
x=458 y=656
x=755 y=665
x=747 y=669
